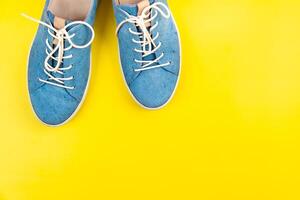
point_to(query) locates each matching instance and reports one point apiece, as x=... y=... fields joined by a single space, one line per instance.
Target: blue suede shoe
x=59 y=61
x=149 y=50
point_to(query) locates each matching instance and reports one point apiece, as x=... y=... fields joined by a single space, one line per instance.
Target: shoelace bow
x=60 y=36
x=145 y=34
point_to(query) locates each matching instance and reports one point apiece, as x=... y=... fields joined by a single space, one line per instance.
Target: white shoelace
x=60 y=36
x=146 y=39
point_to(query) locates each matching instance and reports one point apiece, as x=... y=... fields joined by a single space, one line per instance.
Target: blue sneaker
x=59 y=60
x=149 y=51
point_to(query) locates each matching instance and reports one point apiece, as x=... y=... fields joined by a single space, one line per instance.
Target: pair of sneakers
x=60 y=57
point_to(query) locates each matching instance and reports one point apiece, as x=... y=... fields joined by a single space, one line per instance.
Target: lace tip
x=24 y=15
x=27 y=16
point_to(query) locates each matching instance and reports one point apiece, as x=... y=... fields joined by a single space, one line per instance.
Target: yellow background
x=231 y=131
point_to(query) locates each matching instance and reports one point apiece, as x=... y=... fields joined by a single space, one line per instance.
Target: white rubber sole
x=178 y=79
x=78 y=107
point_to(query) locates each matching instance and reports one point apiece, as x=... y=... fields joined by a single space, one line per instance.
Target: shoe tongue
x=136 y=9
x=57 y=22
x=142 y=5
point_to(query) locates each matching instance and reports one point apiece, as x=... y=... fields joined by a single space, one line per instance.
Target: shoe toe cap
x=154 y=89
x=53 y=106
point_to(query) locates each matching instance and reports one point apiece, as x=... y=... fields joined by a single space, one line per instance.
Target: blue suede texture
x=152 y=88
x=54 y=105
